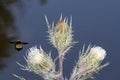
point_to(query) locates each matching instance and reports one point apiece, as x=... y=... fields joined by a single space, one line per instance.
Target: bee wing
x=11 y=42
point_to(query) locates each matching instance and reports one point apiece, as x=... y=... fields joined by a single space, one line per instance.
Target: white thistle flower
x=92 y=57
x=98 y=52
x=34 y=56
x=39 y=62
x=89 y=63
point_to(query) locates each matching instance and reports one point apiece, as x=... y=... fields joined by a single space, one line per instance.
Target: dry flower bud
x=61 y=26
x=61 y=35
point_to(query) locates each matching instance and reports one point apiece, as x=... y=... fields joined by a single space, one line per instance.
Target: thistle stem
x=61 y=57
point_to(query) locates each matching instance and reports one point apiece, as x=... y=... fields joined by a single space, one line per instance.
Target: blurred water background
x=94 y=22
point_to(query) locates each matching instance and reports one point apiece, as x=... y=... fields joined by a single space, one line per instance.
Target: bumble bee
x=18 y=44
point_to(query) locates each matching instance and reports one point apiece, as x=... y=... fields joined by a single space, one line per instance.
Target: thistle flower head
x=61 y=35
x=35 y=56
x=38 y=61
x=92 y=57
x=89 y=62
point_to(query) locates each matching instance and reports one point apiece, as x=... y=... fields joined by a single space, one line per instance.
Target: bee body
x=18 y=46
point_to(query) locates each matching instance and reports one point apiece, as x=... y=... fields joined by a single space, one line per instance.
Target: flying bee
x=18 y=44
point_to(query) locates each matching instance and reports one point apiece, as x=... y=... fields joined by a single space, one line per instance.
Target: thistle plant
x=61 y=37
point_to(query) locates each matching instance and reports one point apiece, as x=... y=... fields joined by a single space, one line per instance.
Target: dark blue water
x=94 y=22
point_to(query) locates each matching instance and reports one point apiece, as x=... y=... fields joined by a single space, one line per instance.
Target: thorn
x=47 y=21
x=65 y=19
x=61 y=17
x=52 y=25
x=71 y=21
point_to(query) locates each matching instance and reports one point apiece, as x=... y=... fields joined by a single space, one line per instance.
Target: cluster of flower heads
x=61 y=37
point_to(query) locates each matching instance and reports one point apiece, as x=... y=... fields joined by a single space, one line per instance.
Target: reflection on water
x=7 y=28
x=3 y=49
x=43 y=2
x=9 y=1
